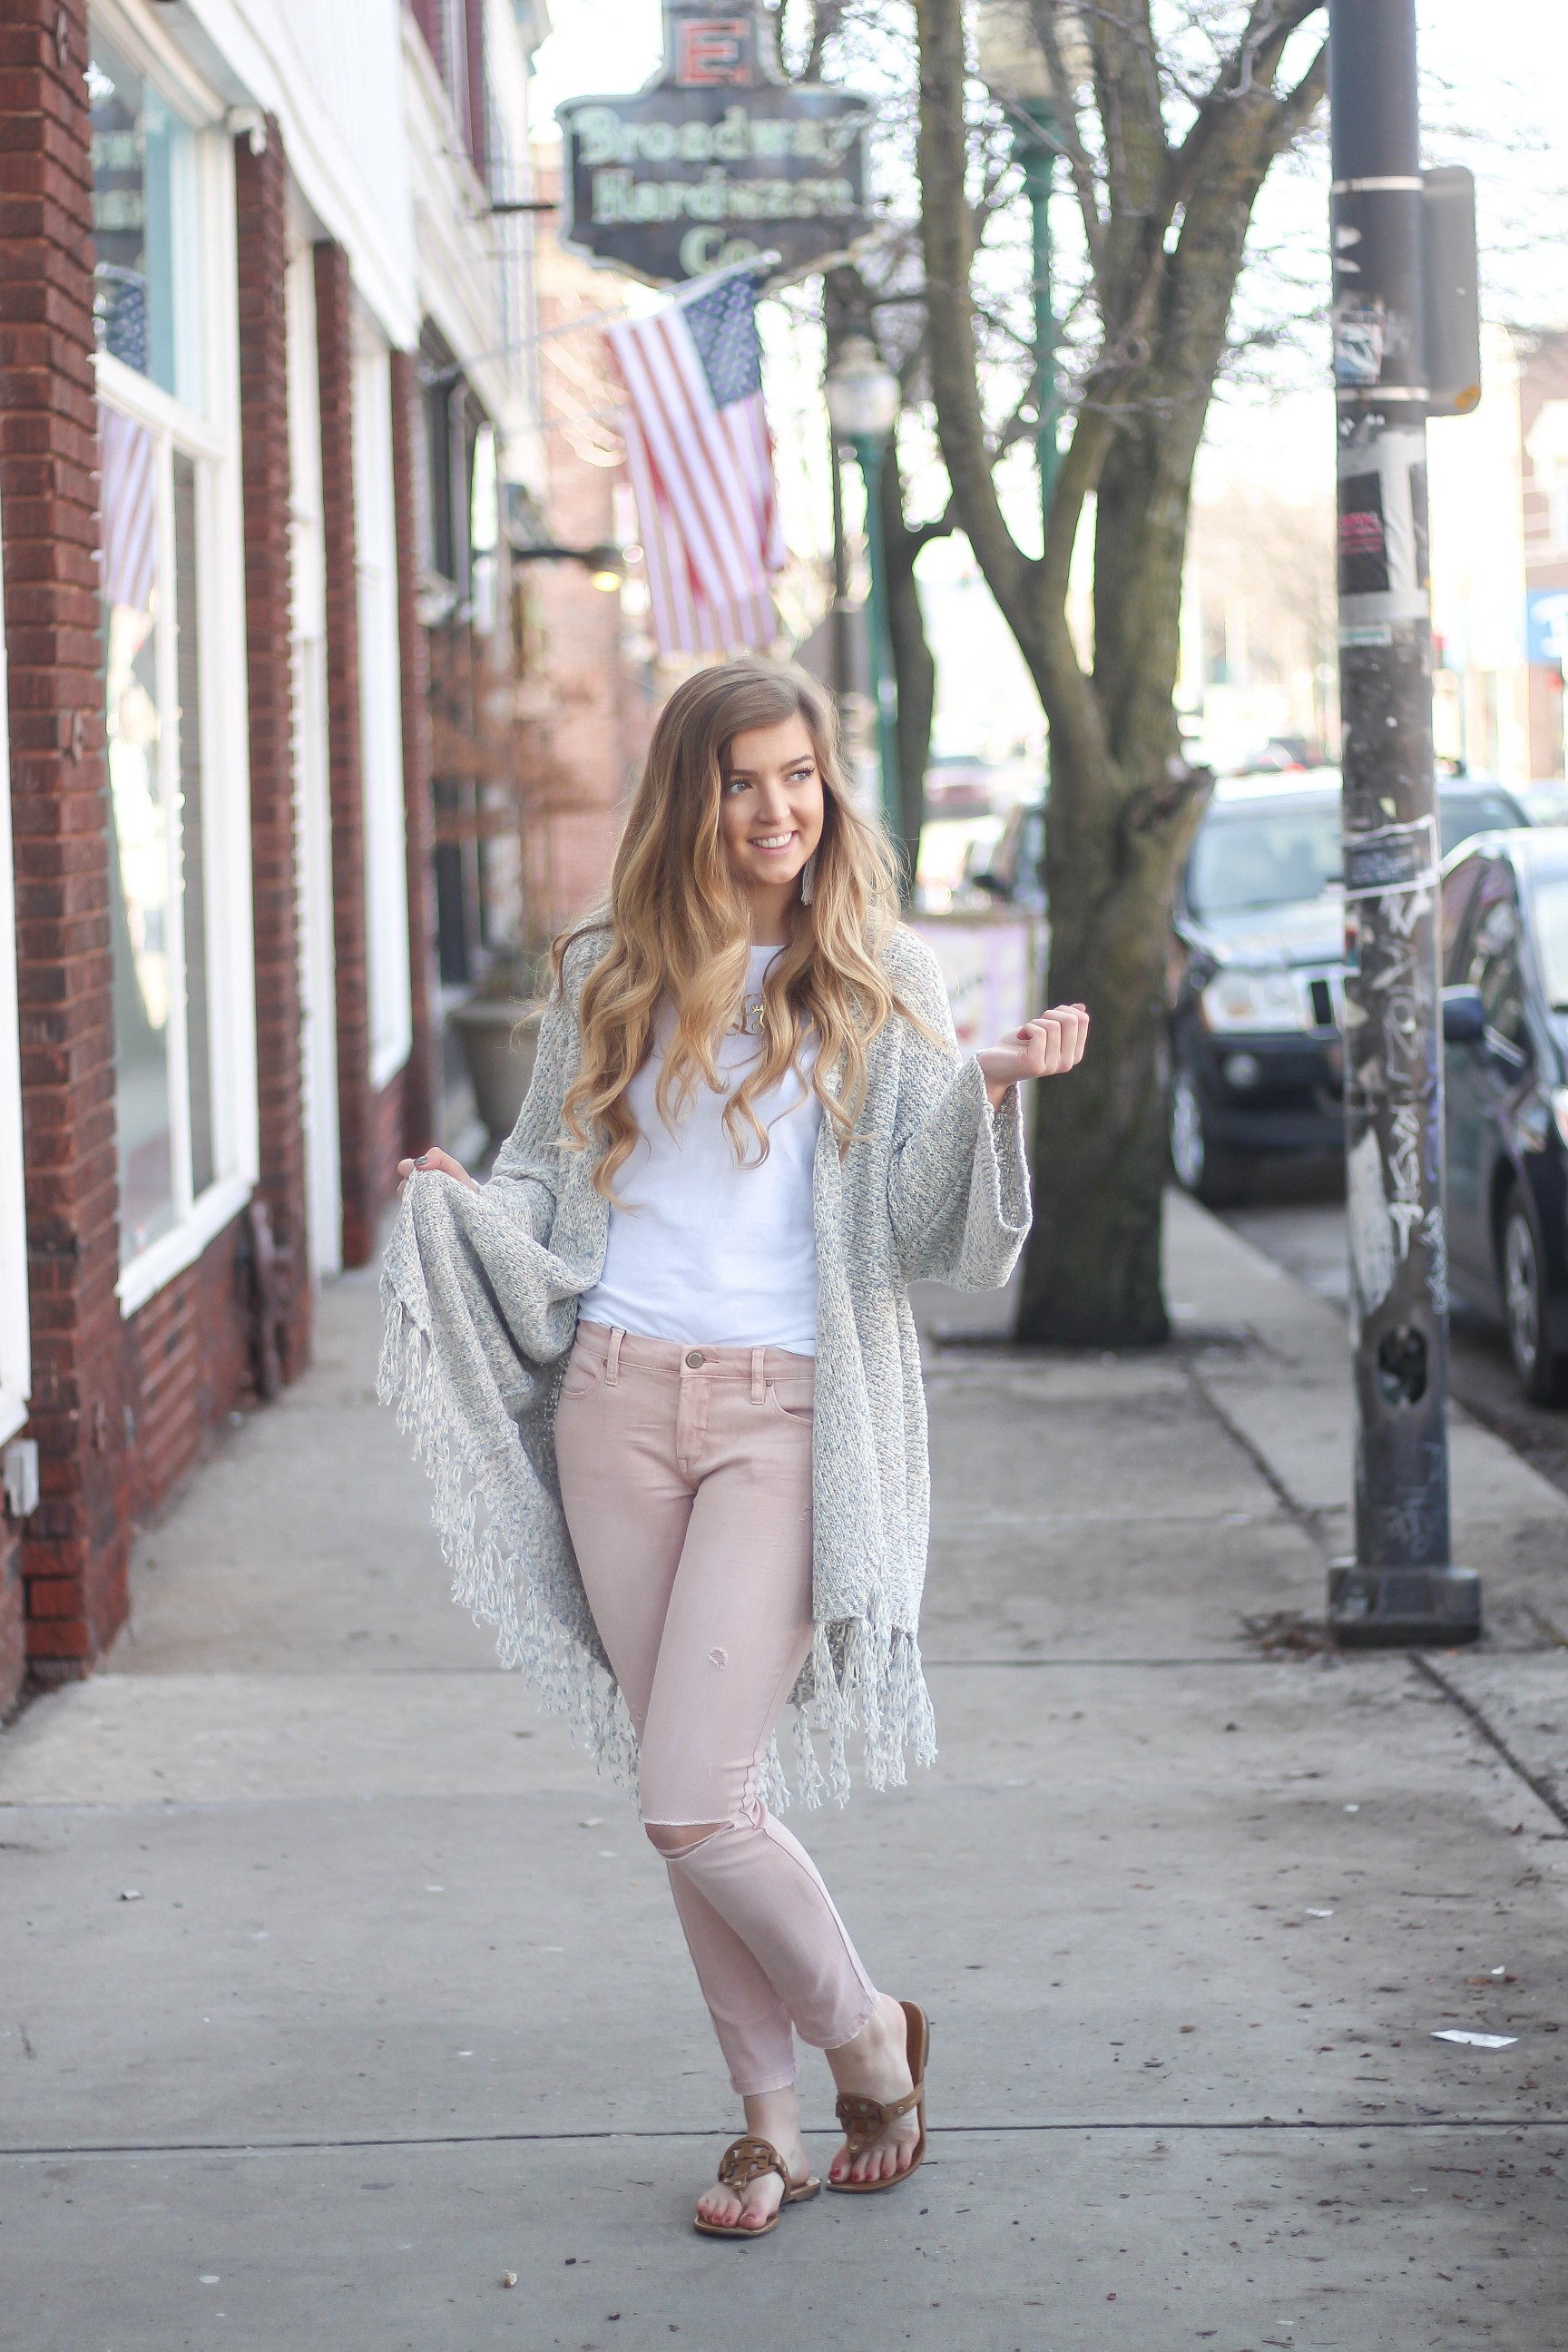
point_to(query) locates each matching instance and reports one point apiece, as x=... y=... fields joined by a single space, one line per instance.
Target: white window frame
x=387 y=974
x=312 y=753
x=211 y=440
x=16 y=1334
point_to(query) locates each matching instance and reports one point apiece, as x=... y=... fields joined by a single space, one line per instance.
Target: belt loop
x=612 y=1363
x=758 y=1356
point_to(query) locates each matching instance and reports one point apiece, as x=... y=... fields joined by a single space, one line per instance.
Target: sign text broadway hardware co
x=675 y=182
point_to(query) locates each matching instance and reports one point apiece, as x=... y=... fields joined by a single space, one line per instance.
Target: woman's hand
x=432 y=1164
x=1046 y=1048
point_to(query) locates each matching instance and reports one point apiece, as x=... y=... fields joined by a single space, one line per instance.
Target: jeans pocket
x=792 y=1399
x=582 y=1376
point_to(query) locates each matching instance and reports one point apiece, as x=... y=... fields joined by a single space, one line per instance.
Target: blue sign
x=1546 y=623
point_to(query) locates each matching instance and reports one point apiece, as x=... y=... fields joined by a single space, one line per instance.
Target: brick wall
x=591 y=710
x=186 y=1357
x=259 y=203
x=356 y=1110
x=74 y=1551
x=419 y=1089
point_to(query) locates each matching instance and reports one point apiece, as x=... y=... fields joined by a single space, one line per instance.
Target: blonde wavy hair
x=680 y=932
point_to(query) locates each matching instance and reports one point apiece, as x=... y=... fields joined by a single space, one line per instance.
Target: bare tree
x=1168 y=139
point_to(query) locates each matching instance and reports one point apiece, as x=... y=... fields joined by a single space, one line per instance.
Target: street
x=331 y=1966
x=1302 y=1228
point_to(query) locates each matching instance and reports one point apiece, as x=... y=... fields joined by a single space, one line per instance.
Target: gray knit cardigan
x=482 y=1291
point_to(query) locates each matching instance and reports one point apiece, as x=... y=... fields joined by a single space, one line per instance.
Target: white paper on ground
x=1476 y=2040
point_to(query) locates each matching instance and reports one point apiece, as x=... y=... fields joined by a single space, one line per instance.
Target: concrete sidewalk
x=337 y=1986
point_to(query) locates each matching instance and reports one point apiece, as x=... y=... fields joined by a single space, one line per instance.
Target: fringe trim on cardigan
x=863 y=1679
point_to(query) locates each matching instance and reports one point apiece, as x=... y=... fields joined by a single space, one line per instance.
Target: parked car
x=1475 y=805
x=1505 y=969
x=1256 y=1067
x=1012 y=867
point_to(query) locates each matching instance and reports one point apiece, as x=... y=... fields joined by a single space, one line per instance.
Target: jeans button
x=695 y=1358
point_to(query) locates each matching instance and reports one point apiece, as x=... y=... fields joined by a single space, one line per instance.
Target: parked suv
x=1258 y=1068
x=1255 y=1061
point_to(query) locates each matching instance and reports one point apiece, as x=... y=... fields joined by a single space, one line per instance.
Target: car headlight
x=1254 y=999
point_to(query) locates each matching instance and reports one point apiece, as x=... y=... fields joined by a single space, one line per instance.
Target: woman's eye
x=735 y=784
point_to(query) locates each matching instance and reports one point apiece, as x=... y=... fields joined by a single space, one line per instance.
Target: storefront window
x=140 y=908
x=146 y=228
x=179 y=917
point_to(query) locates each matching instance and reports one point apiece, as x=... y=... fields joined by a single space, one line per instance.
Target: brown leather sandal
x=744 y=2161
x=865 y=2120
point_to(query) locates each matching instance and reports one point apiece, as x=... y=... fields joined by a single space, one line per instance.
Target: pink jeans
x=686 y=1479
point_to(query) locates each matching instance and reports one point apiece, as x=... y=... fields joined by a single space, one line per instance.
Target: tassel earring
x=807 y=879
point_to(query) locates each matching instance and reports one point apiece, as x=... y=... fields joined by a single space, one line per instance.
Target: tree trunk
x=1091 y=1274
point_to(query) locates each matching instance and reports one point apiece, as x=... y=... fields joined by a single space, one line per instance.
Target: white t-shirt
x=707 y=1250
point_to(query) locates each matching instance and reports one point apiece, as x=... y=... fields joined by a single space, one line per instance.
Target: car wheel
x=1542 y=1376
x=1210 y=1176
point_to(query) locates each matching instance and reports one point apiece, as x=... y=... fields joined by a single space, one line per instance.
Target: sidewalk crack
x=1477 y=1715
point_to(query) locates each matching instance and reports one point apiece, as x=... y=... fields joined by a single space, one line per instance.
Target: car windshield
x=1270 y=858
x=1550 y=898
x=1460 y=814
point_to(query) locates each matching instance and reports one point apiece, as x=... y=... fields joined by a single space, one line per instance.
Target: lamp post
x=863 y=405
x=1015 y=67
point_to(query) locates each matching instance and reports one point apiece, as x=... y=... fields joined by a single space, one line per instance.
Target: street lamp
x=863 y=399
x=1015 y=67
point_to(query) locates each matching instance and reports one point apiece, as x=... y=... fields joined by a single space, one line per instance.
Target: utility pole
x=1401 y=1586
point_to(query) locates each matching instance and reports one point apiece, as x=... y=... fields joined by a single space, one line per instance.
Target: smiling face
x=770 y=809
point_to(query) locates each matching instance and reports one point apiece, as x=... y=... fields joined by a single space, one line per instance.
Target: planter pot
x=499 y=1037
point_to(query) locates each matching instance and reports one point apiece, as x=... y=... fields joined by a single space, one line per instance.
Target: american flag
x=702 y=463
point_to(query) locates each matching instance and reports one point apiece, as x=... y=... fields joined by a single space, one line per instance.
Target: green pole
x=868 y=454
x=1038 y=155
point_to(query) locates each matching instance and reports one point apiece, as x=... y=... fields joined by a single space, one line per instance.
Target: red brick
x=261 y=199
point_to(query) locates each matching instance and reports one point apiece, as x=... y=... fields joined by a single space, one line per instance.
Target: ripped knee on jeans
x=676 y=1839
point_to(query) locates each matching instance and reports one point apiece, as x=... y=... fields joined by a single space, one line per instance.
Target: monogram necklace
x=751 y=1020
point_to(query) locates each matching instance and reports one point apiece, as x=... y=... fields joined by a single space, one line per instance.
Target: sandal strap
x=865 y=2120
x=746 y=2160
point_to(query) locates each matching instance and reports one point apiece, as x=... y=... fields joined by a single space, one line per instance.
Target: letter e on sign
x=711 y=50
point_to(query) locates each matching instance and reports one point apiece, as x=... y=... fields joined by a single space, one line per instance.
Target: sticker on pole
x=1358 y=341
x=1395 y=858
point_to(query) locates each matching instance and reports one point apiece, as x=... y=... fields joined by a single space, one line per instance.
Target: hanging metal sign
x=718 y=161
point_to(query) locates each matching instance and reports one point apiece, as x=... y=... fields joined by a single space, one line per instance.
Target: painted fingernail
x=422 y=1162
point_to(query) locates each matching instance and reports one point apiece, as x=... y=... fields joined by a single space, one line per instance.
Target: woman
x=664 y=1370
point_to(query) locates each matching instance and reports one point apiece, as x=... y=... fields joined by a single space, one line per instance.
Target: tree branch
x=947 y=242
